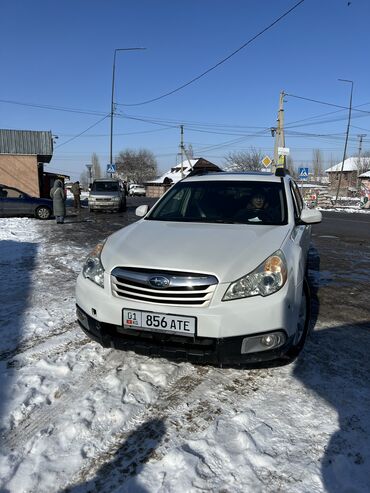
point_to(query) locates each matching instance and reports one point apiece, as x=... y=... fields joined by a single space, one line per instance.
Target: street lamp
x=347 y=133
x=112 y=101
x=89 y=169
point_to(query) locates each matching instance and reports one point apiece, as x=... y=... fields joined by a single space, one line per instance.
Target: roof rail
x=202 y=171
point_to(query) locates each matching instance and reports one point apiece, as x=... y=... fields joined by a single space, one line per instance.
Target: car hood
x=39 y=200
x=227 y=251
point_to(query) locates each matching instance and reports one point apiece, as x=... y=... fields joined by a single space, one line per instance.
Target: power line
x=51 y=107
x=81 y=133
x=220 y=62
x=327 y=103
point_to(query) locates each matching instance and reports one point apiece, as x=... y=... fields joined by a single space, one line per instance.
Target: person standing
x=76 y=190
x=59 y=201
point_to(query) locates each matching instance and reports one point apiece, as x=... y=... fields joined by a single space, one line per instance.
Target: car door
x=14 y=202
x=302 y=232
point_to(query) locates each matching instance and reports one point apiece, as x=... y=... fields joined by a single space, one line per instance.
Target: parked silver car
x=136 y=190
x=107 y=195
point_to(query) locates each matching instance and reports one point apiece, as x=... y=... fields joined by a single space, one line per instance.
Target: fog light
x=269 y=340
x=264 y=342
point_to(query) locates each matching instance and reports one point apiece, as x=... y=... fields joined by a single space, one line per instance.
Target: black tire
x=303 y=324
x=43 y=212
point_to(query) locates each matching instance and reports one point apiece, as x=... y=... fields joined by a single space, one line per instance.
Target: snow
x=350 y=164
x=76 y=417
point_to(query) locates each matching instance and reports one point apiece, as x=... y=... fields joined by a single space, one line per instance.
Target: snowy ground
x=75 y=417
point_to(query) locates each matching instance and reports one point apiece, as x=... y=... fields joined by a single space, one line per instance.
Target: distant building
x=349 y=181
x=23 y=154
x=364 y=180
x=156 y=188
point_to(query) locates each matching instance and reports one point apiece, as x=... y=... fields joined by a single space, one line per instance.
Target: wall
x=20 y=172
x=157 y=190
x=349 y=179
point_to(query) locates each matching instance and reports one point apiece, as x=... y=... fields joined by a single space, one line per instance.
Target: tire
x=303 y=324
x=43 y=212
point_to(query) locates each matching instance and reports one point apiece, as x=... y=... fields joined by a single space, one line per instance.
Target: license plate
x=159 y=322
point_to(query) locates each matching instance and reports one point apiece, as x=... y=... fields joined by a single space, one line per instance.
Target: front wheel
x=43 y=212
x=303 y=323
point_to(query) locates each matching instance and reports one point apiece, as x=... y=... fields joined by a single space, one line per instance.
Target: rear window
x=105 y=186
x=243 y=202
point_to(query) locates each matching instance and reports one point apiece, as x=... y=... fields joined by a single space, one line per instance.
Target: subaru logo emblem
x=159 y=282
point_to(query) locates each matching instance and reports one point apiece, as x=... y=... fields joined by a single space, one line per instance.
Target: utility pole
x=346 y=141
x=361 y=136
x=278 y=132
x=359 y=167
x=112 y=105
x=183 y=151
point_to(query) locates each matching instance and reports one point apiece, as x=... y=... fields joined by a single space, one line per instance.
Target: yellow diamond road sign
x=266 y=161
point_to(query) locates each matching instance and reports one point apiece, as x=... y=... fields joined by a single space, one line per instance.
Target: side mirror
x=310 y=216
x=141 y=210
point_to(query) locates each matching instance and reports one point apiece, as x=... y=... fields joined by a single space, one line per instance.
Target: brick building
x=23 y=154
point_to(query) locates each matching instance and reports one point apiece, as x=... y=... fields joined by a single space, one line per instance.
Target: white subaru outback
x=214 y=272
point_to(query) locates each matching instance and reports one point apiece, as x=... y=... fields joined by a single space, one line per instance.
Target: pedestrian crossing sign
x=111 y=168
x=303 y=173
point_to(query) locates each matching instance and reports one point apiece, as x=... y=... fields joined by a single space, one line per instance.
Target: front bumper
x=221 y=326
x=201 y=350
x=105 y=206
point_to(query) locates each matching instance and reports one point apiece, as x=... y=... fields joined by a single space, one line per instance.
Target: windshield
x=245 y=202
x=105 y=186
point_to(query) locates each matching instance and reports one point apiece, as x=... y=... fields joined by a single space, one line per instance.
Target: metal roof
x=27 y=142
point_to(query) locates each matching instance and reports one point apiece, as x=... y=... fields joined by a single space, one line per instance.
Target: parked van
x=107 y=194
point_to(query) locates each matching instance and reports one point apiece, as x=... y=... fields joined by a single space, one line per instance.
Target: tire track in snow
x=188 y=400
x=51 y=346
x=36 y=341
x=43 y=417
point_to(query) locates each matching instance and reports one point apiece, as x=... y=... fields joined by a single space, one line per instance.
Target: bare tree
x=84 y=179
x=244 y=160
x=317 y=163
x=363 y=162
x=290 y=164
x=136 y=166
x=96 y=169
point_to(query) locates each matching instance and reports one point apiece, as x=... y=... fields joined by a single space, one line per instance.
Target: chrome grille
x=163 y=287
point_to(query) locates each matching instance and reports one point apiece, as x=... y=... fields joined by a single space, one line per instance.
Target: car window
x=102 y=186
x=297 y=199
x=10 y=193
x=223 y=201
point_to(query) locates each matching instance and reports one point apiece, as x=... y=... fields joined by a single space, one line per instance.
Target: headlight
x=268 y=278
x=116 y=199
x=93 y=268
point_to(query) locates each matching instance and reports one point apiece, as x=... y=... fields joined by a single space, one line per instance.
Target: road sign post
x=266 y=161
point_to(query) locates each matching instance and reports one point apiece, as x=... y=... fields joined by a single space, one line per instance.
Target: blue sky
x=60 y=54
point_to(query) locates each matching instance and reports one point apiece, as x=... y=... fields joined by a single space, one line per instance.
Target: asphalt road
x=339 y=268
x=345 y=225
